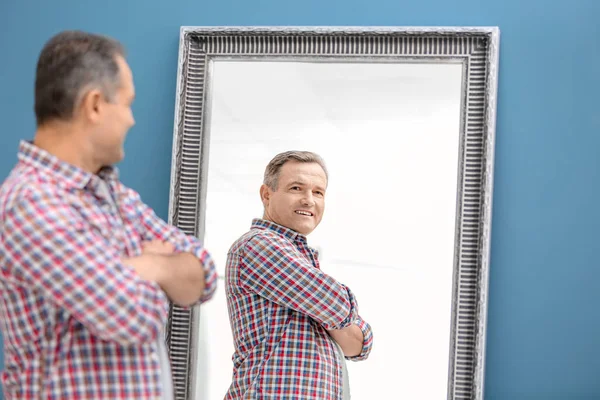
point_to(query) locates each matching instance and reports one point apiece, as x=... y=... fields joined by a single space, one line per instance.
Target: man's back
x=76 y=322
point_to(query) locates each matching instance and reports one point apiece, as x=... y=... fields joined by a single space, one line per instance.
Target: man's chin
x=305 y=229
x=118 y=157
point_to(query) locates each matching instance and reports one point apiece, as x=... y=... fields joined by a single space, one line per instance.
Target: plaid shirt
x=280 y=305
x=77 y=323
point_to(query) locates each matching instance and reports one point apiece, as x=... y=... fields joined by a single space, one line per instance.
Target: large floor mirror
x=404 y=119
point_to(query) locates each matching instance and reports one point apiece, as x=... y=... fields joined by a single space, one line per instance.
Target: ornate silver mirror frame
x=476 y=48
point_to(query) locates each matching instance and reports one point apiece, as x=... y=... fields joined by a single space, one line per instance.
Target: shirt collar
x=65 y=174
x=258 y=223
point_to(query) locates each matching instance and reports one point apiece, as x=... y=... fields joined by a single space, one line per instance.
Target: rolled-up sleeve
x=50 y=248
x=367 y=340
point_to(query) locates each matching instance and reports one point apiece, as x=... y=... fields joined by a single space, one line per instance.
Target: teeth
x=304 y=213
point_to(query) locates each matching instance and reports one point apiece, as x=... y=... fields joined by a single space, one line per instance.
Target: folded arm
x=274 y=269
x=189 y=275
x=179 y=275
x=54 y=251
x=355 y=340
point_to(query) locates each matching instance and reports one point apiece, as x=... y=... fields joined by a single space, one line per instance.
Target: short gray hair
x=273 y=169
x=70 y=62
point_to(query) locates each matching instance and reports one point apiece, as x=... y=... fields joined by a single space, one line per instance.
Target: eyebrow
x=296 y=183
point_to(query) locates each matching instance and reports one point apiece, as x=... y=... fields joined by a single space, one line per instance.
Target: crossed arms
x=52 y=249
x=276 y=271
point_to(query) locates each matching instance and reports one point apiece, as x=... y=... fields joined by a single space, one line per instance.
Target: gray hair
x=273 y=169
x=69 y=63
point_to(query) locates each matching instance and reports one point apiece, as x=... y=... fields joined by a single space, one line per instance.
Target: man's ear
x=265 y=194
x=90 y=105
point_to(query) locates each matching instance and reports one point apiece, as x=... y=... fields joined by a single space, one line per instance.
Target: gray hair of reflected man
x=273 y=169
x=71 y=63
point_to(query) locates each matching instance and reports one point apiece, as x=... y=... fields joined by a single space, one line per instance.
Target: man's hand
x=349 y=338
x=157 y=247
x=148 y=266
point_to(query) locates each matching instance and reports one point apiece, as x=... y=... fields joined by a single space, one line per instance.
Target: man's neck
x=63 y=141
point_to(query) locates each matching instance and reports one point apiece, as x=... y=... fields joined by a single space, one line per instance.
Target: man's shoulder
x=258 y=236
x=240 y=243
x=127 y=193
x=25 y=183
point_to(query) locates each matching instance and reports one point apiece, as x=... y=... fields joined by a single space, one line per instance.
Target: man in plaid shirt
x=87 y=269
x=293 y=325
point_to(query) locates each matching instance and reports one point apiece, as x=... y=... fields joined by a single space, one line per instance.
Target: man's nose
x=308 y=199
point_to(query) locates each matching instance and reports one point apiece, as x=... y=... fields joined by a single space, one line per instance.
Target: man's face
x=299 y=201
x=115 y=120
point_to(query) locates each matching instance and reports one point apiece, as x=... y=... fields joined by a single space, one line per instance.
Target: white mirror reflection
x=389 y=134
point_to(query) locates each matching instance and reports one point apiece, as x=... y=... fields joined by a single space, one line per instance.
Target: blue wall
x=544 y=323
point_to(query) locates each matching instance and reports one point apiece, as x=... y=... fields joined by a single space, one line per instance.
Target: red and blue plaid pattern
x=77 y=323
x=280 y=305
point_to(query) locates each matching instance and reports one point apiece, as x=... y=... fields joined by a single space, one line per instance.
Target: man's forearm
x=349 y=338
x=182 y=278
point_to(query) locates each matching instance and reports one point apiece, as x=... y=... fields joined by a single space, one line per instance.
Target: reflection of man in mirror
x=87 y=267
x=293 y=325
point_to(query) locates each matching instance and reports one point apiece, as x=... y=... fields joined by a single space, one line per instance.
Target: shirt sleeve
x=157 y=229
x=367 y=340
x=51 y=249
x=274 y=269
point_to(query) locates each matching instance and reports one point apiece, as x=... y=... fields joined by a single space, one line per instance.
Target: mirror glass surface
x=389 y=133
